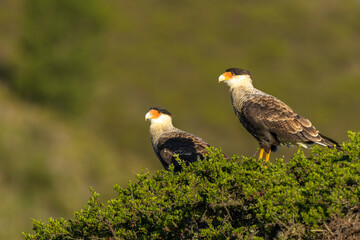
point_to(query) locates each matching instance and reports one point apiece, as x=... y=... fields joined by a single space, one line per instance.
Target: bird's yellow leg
x=261 y=153
x=267 y=157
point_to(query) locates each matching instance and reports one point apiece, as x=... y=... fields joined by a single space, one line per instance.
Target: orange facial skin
x=228 y=75
x=154 y=114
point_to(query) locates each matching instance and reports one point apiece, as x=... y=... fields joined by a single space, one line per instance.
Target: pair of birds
x=270 y=121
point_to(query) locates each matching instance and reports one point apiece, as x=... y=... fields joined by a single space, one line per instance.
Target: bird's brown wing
x=273 y=115
x=186 y=145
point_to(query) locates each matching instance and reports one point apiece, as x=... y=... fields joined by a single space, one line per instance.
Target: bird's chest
x=249 y=124
x=238 y=104
x=247 y=116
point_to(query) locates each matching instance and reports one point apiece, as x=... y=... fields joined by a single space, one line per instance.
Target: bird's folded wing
x=277 y=117
x=186 y=145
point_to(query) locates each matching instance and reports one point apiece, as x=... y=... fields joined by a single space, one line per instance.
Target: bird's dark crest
x=239 y=71
x=161 y=110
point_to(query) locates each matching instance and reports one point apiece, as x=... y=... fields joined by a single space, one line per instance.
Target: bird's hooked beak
x=148 y=116
x=226 y=76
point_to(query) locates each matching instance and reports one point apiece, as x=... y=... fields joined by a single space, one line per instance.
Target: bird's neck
x=240 y=94
x=157 y=129
x=242 y=89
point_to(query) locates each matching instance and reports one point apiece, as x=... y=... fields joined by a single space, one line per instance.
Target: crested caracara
x=268 y=119
x=168 y=140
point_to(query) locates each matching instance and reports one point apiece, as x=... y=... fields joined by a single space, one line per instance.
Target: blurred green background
x=77 y=77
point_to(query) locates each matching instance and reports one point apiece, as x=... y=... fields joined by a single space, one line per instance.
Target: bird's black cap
x=239 y=71
x=161 y=110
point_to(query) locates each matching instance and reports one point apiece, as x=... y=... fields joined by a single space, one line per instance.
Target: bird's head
x=236 y=77
x=158 y=115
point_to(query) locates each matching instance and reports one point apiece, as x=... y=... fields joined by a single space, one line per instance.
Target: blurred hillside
x=77 y=80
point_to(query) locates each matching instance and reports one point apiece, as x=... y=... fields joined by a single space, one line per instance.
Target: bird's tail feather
x=329 y=143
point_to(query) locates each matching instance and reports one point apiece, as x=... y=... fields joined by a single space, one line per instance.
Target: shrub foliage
x=215 y=198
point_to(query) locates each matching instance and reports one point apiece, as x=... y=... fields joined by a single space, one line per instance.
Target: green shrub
x=217 y=198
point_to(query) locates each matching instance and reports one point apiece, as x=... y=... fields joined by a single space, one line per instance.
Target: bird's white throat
x=161 y=124
x=240 y=81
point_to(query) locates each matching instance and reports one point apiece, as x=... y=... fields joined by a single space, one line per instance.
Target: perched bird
x=268 y=119
x=168 y=140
